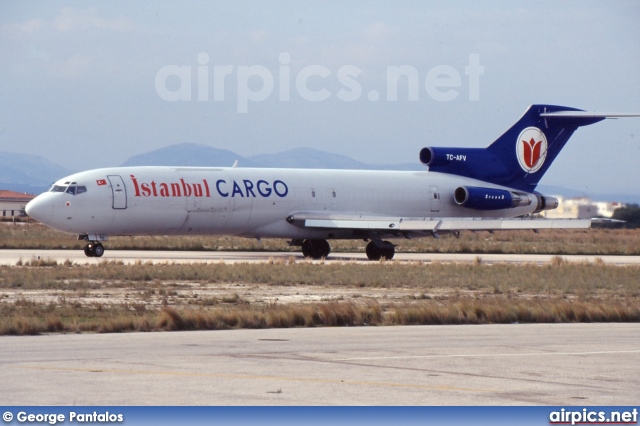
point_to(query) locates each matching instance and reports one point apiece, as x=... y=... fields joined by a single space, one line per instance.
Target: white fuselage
x=244 y=201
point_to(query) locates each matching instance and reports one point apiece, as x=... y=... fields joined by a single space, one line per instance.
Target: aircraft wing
x=409 y=225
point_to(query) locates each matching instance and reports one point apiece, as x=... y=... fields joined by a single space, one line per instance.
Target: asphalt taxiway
x=550 y=364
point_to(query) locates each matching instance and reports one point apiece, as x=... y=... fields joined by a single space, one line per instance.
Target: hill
x=188 y=154
x=197 y=155
x=28 y=173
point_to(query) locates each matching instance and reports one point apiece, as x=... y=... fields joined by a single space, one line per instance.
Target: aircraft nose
x=40 y=208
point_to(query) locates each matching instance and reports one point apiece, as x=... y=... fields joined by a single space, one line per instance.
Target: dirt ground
x=198 y=294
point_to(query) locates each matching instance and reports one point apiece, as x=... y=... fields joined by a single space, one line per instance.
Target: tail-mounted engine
x=546 y=202
x=478 y=198
x=477 y=163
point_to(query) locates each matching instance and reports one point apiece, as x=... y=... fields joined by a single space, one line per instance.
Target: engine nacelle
x=438 y=157
x=428 y=156
x=546 y=202
x=478 y=198
x=484 y=198
x=477 y=163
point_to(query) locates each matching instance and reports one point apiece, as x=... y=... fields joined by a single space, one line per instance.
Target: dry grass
x=39 y=297
x=42 y=296
x=473 y=311
x=559 y=276
x=121 y=318
x=590 y=241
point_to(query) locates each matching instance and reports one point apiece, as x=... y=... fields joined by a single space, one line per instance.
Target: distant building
x=606 y=208
x=13 y=203
x=581 y=208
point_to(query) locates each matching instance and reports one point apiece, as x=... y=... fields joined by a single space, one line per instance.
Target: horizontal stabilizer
x=587 y=114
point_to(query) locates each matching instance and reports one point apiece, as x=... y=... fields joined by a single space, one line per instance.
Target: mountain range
x=196 y=155
x=34 y=174
x=31 y=174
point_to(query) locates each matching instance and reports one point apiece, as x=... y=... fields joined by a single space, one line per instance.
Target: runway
x=549 y=364
x=12 y=257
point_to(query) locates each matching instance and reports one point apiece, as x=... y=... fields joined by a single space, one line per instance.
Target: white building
x=13 y=203
x=581 y=208
x=606 y=208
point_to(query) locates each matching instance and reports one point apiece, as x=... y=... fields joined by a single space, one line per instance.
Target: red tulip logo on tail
x=531 y=149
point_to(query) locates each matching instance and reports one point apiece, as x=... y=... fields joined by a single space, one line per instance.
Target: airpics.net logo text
x=313 y=83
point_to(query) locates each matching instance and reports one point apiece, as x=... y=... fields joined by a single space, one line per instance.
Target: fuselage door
x=434 y=194
x=119 y=192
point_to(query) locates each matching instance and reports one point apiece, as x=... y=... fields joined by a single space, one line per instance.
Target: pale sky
x=86 y=84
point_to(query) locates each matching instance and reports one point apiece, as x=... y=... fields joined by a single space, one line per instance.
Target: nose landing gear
x=94 y=249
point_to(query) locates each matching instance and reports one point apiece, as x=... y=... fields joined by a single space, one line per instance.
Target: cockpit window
x=76 y=189
x=72 y=189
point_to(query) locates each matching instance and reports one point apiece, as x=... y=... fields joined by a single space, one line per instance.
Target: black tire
x=306 y=248
x=388 y=252
x=323 y=248
x=98 y=250
x=316 y=249
x=88 y=250
x=373 y=252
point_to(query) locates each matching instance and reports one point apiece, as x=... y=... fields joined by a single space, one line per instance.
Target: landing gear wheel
x=306 y=248
x=316 y=249
x=389 y=252
x=88 y=250
x=97 y=250
x=372 y=251
x=377 y=252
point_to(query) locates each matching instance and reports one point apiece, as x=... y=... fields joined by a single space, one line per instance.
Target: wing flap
x=390 y=224
x=511 y=224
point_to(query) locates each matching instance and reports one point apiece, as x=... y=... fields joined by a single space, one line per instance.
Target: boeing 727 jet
x=489 y=188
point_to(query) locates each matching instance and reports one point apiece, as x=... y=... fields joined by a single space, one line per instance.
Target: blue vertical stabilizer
x=520 y=157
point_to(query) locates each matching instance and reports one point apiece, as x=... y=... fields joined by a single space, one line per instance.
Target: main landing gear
x=94 y=249
x=315 y=249
x=376 y=250
x=318 y=249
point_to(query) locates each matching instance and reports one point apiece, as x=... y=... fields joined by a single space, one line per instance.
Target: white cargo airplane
x=464 y=189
